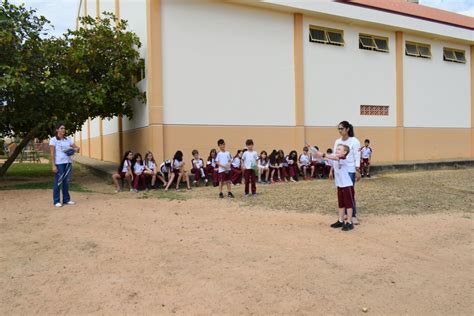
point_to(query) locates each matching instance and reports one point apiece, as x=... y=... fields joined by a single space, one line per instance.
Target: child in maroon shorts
x=345 y=187
x=223 y=160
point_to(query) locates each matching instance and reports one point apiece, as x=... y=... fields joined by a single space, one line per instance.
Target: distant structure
x=284 y=72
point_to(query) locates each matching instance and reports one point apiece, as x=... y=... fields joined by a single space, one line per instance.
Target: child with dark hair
x=292 y=160
x=305 y=163
x=249 y=165
x=236 y=168
x=138 y=172
x=223 y=160
x=366 y=156
x=283 y=165
x=178 y=171
x=263 y=167
x=212 y=169
x=274 y=166
x=124 y=172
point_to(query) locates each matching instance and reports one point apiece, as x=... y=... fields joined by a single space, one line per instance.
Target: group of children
x=224 y=169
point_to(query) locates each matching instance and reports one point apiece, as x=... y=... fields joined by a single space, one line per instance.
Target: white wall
x=339 y=79
x=95 y=127
x=436 y=92
x=134 y=11
x=226 y=64
x=110 y=126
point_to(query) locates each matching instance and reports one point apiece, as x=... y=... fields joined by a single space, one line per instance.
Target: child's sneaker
x=246 y=195
x=195 y=182
x=221 y=195
x=355 y=221
x=368 y=175
x=347 y=226
x=337 y=224
x=131 y=190
x=229 y=194
x=254 y=195
x=58 y=205
x=206 y=182
x=70 y=203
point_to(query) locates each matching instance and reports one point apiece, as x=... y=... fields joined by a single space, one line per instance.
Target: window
x=454 y=55
x=417 y=50
x=326 y=36
x=370 y=42
x=374 y=110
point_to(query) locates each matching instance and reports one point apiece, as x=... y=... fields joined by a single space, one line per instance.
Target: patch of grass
x=73 y=187
x=29 y=170
x=162 y=194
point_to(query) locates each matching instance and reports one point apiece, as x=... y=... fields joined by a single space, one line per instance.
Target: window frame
x=418 y=54
x=454 y=51
x=326 y=31
x=373 y=38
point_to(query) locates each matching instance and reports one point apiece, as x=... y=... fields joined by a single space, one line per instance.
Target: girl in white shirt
x=236 y=169
x=178 y=172
x=151 y=170
x=138 y=172
x=124 y=171
x=263 y=167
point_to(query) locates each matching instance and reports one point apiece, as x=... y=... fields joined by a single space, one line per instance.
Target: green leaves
x=85 y=73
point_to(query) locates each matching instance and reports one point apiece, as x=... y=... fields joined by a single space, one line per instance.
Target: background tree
x=43 y=81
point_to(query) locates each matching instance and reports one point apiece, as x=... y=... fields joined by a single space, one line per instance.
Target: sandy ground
x=132 y=254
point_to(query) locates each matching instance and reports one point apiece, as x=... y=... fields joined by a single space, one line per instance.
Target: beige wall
x=418 y=143
x=111 y=148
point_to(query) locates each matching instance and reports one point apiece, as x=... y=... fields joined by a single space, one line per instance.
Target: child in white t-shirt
x=138 y=172
x=345 y=187
x=198 y=166
x=366 y=156
x=249 y=164
x=223 y=160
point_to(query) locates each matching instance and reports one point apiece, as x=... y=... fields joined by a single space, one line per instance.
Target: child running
x=249 y=164
x=345 y=187
x=223 y=160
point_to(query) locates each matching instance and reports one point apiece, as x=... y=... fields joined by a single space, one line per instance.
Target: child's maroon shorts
x=224 y=176
x=345 y=197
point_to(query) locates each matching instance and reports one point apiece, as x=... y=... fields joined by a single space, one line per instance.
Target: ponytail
x=351 y=131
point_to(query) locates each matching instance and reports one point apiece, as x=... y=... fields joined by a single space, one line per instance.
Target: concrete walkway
x=107 y=169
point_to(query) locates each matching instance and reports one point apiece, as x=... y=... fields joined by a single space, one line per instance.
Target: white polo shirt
x=61 y=145
x=223 y=158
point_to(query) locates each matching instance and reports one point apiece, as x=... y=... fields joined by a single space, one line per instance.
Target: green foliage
x=43 y=81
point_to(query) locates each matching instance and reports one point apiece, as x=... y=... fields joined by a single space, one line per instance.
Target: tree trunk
x=31 y=135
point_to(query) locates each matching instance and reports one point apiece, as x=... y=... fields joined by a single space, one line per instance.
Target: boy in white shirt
x=223 y=160
x=249 y=166
x=198 y=168
x=366 y=155
x=345 y=186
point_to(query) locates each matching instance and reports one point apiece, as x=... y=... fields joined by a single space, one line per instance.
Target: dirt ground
x=194 y=254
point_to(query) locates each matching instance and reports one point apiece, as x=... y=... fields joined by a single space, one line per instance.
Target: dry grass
x=403 y=193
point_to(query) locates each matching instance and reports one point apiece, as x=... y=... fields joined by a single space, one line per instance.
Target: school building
x=282 y=72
